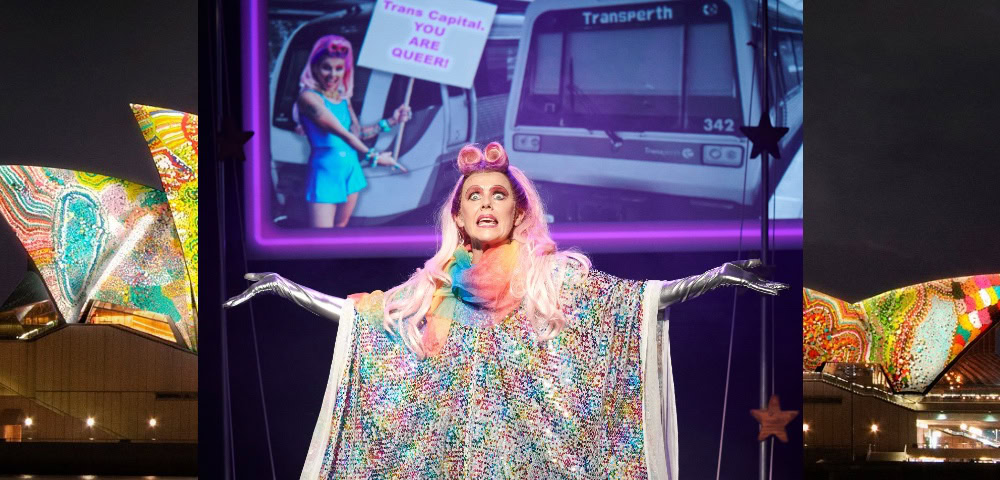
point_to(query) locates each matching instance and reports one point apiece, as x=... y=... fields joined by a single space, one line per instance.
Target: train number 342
x=719 y=125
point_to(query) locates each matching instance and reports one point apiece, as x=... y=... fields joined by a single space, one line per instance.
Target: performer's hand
x=264 y=282
x=402 y=114
x=385 y=158
x=736 y=273
x=321 y=304
x=732 y=273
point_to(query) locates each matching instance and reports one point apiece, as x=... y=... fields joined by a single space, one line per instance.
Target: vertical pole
x=763 y=313
x=399 y=134
x=764 y=187
x=219 y=245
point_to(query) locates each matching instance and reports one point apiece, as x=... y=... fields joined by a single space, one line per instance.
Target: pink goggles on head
x=334 y=49
x=471 y=159
x=338 y=50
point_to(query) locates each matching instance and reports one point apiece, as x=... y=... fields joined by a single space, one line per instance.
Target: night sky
x=70 y=70
x=902 y=119
x=902 y=125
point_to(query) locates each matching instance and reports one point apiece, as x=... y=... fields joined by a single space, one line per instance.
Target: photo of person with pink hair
x=502 y=356
x=324 y=113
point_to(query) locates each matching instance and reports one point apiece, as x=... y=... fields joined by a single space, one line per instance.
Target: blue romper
x=334 y=169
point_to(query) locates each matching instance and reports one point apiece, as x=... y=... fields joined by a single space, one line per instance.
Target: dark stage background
x=279 y=357
x=295 y=348
x=902 y=121
x=70 y=71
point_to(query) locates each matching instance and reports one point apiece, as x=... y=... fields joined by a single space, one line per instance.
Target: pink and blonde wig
x=406 y=305
x=327 y=46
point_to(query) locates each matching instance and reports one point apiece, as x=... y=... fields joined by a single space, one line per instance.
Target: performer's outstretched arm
x=732 y=273
x=321 y=304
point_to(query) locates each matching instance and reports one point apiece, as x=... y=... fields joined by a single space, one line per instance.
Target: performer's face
x=488 y=212
x=329 y=72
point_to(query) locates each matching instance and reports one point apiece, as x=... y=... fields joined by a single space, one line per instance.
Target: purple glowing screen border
x=264 y=240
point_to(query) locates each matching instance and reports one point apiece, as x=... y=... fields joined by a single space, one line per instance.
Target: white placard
x=439 y=41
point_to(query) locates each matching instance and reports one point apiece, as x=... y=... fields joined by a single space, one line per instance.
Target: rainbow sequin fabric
x=495 y=403
x=914 y=332
x=172 y=137
x=98 y=237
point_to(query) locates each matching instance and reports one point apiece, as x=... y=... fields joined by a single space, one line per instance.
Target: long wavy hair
x=407 y=304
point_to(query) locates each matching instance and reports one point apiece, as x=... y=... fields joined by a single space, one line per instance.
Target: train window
x=579 y=75
x=597 y=63
x=712 y=99
x=797 y=46
x=548 y=54
x=288 y=88
x=496 y=68
x=425 y=95
x=425 y=100
x=789 y=67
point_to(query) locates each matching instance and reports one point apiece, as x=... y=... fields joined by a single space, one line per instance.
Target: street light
x=875 y=434
x=28 y=422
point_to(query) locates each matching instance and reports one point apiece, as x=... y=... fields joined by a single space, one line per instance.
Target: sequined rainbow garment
x=486 y=285
x=595 y=402
x=914 y=332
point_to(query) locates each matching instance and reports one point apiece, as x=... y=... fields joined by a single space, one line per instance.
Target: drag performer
x=502 y=357
x=335 y=136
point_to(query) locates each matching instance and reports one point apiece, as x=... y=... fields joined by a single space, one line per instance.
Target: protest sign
x=430 y=40
x=435 y=41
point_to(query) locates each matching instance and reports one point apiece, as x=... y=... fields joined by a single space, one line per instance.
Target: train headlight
x=726 y=156
x=527 y=143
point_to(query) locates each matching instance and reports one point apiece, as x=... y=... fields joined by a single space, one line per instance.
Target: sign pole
x=399 y=134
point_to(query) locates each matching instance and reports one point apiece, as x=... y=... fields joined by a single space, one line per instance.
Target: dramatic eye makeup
x=497 y=191
x=473 y=190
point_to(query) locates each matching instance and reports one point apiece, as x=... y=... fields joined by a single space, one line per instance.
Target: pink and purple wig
x=333 y=46
x=407 y=304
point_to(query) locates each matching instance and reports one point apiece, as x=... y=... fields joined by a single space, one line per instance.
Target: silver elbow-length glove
x=731 y=273
x=326 y=306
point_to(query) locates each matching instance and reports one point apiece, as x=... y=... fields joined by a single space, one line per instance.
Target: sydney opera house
x=911 y=375
x=99 y=340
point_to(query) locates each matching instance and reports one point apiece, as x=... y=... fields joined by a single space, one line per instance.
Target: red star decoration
x=764 y=136
x=773 y=420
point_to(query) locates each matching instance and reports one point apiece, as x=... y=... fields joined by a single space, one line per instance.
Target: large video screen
x=626 y=116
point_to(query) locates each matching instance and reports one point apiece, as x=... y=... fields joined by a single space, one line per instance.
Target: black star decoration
x=764 y=136
x=231 y=140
